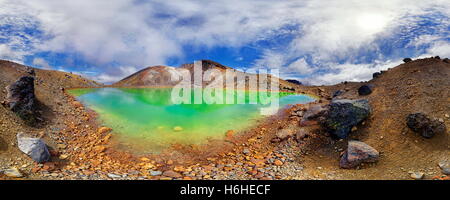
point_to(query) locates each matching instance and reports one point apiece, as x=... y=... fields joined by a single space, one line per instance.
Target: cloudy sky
x=315 y=41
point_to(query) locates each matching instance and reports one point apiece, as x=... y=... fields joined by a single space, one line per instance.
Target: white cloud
x=270 y=59
x=136 y=34
x=114 y=75
x=300 y=66
x=41 y=63
x=440 y=48
x=350 y=72
x=333 y=33
x=7 y=53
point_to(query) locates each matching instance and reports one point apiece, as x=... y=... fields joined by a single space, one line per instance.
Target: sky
x=314 y=41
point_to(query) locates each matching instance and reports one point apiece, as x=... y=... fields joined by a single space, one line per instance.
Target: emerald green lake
x=146 y=119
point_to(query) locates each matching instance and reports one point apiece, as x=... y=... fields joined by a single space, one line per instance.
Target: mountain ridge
x=159 y=75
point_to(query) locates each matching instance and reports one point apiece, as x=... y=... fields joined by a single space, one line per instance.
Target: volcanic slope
x=53 y=105
x=419 y=86
x=164 y=76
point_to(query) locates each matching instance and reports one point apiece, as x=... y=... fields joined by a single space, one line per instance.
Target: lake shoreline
x=192 y=154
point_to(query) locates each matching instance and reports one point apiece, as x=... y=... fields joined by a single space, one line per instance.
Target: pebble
x=61 y=146
x=278 y=163
x=177 y=128
x=447 y=116
x=229 y=134
x=103 y=130
x=417 y=175
x=110 y=175
x=155 y=173
x=13 y=173
x=246 y=151
x=445 y=167
x=172 y=174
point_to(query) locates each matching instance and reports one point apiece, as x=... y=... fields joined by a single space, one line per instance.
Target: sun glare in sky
x=372 y=23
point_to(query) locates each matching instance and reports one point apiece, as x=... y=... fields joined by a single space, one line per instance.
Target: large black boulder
x=365 y=89
x=422 y=124
x=407 y=60
x=342 y=115
x=21 y=99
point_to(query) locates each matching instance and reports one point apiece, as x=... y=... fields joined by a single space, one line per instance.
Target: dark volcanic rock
x=435 y=127
x=343 y=114
x=31 y=71
x=22 y=100
x=446 y=60
x=288 y=88
x=365 y=89
x=422 y=124
x=376 y=74
x=338 y=93
x=294 y=81
x=417 y=121
x=357 y=153
x=33 y=147
x=407 y=60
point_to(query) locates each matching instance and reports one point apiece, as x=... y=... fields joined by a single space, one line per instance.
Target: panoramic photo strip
x=179 y=92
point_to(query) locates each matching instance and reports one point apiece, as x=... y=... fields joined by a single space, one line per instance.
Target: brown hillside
x=48 y=89
x=418 y=86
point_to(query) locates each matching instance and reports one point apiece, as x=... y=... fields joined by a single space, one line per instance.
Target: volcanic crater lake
x=146 y=120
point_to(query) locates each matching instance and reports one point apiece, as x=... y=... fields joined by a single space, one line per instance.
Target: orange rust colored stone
x=258 y=162
x=278 y=163
x=103 y=130
x=179 y=169
x=99 y=148
x=77 y=104
x=229 y=134
x=49 y=166
x=144 y=159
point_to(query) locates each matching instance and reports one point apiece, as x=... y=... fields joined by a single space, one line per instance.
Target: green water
x=145 y=119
